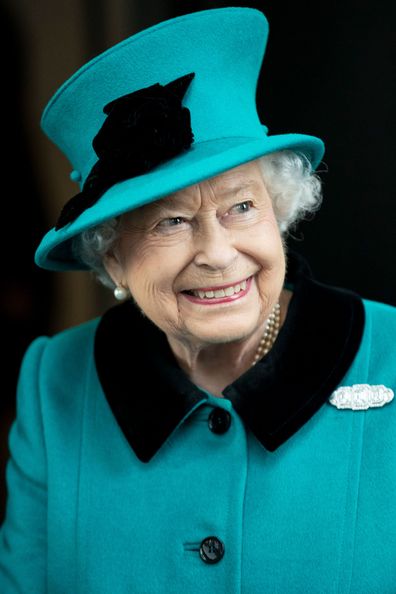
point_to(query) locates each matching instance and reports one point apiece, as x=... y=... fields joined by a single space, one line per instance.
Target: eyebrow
x=242 y=186
x=173 y=201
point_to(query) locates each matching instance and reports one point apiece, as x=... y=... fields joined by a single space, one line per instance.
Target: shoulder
x=380 y=309
x=53 y=377
x=75 y=339
x=62 y=351
x=381 y=320
x=379 y=339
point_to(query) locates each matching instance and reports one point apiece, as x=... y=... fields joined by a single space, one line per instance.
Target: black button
x=219 y=420
x=211 y=549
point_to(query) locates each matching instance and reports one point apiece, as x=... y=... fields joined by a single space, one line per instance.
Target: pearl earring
x=120 y=293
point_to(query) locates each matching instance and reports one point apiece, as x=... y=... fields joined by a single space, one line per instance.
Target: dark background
x=329 y=71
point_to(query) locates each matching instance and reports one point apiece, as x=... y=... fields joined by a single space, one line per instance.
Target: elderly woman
x=230 y=426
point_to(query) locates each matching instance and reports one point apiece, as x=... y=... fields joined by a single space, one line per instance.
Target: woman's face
x=205 y=264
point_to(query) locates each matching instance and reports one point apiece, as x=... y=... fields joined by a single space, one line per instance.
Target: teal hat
x=164 y=109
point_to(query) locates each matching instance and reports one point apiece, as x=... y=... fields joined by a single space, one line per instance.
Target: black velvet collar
x=149 y=394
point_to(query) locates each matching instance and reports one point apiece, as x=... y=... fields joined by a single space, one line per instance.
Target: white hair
x=294 y=188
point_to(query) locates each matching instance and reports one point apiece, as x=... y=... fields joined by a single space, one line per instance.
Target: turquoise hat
x=185 y=91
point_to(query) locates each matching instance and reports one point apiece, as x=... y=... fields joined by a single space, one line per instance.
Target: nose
x=214 y=246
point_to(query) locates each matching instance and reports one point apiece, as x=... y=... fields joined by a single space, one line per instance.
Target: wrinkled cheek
x=141 y=291
x=157 y=303
x=270 y=281
x=264 y=289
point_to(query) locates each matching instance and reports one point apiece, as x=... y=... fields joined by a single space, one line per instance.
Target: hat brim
x=202 y=161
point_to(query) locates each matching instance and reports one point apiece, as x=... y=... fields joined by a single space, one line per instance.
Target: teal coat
x=120 y=467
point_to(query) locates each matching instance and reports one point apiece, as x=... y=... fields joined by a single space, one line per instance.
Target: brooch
x=361 y=396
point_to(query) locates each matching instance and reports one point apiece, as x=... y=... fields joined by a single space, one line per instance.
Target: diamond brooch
x=361 y=396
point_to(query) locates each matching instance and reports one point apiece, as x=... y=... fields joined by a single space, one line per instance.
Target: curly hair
x=295 y=190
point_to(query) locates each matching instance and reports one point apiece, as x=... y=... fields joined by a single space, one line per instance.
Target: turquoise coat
x=125 y=477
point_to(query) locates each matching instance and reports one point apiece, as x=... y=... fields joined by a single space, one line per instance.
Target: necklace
x=271 y=330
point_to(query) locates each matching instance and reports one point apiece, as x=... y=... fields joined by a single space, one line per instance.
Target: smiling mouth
x=218 y=293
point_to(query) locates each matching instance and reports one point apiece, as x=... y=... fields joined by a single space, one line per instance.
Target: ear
x=113 y=268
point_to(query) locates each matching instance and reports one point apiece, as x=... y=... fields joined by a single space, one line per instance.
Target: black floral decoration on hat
x=142 y=130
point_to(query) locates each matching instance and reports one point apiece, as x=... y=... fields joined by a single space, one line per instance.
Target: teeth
x=228 y=292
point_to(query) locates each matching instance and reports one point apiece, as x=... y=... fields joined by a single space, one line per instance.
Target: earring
x=120 y=293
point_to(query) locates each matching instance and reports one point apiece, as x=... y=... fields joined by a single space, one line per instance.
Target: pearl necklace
x=271 y=331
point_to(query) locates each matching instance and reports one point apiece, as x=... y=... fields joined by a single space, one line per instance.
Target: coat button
x=219 y=420
x=211 y=549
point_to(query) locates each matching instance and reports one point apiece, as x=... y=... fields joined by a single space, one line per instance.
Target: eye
x=242 y=207
x=171 y=225
x=171 y=222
